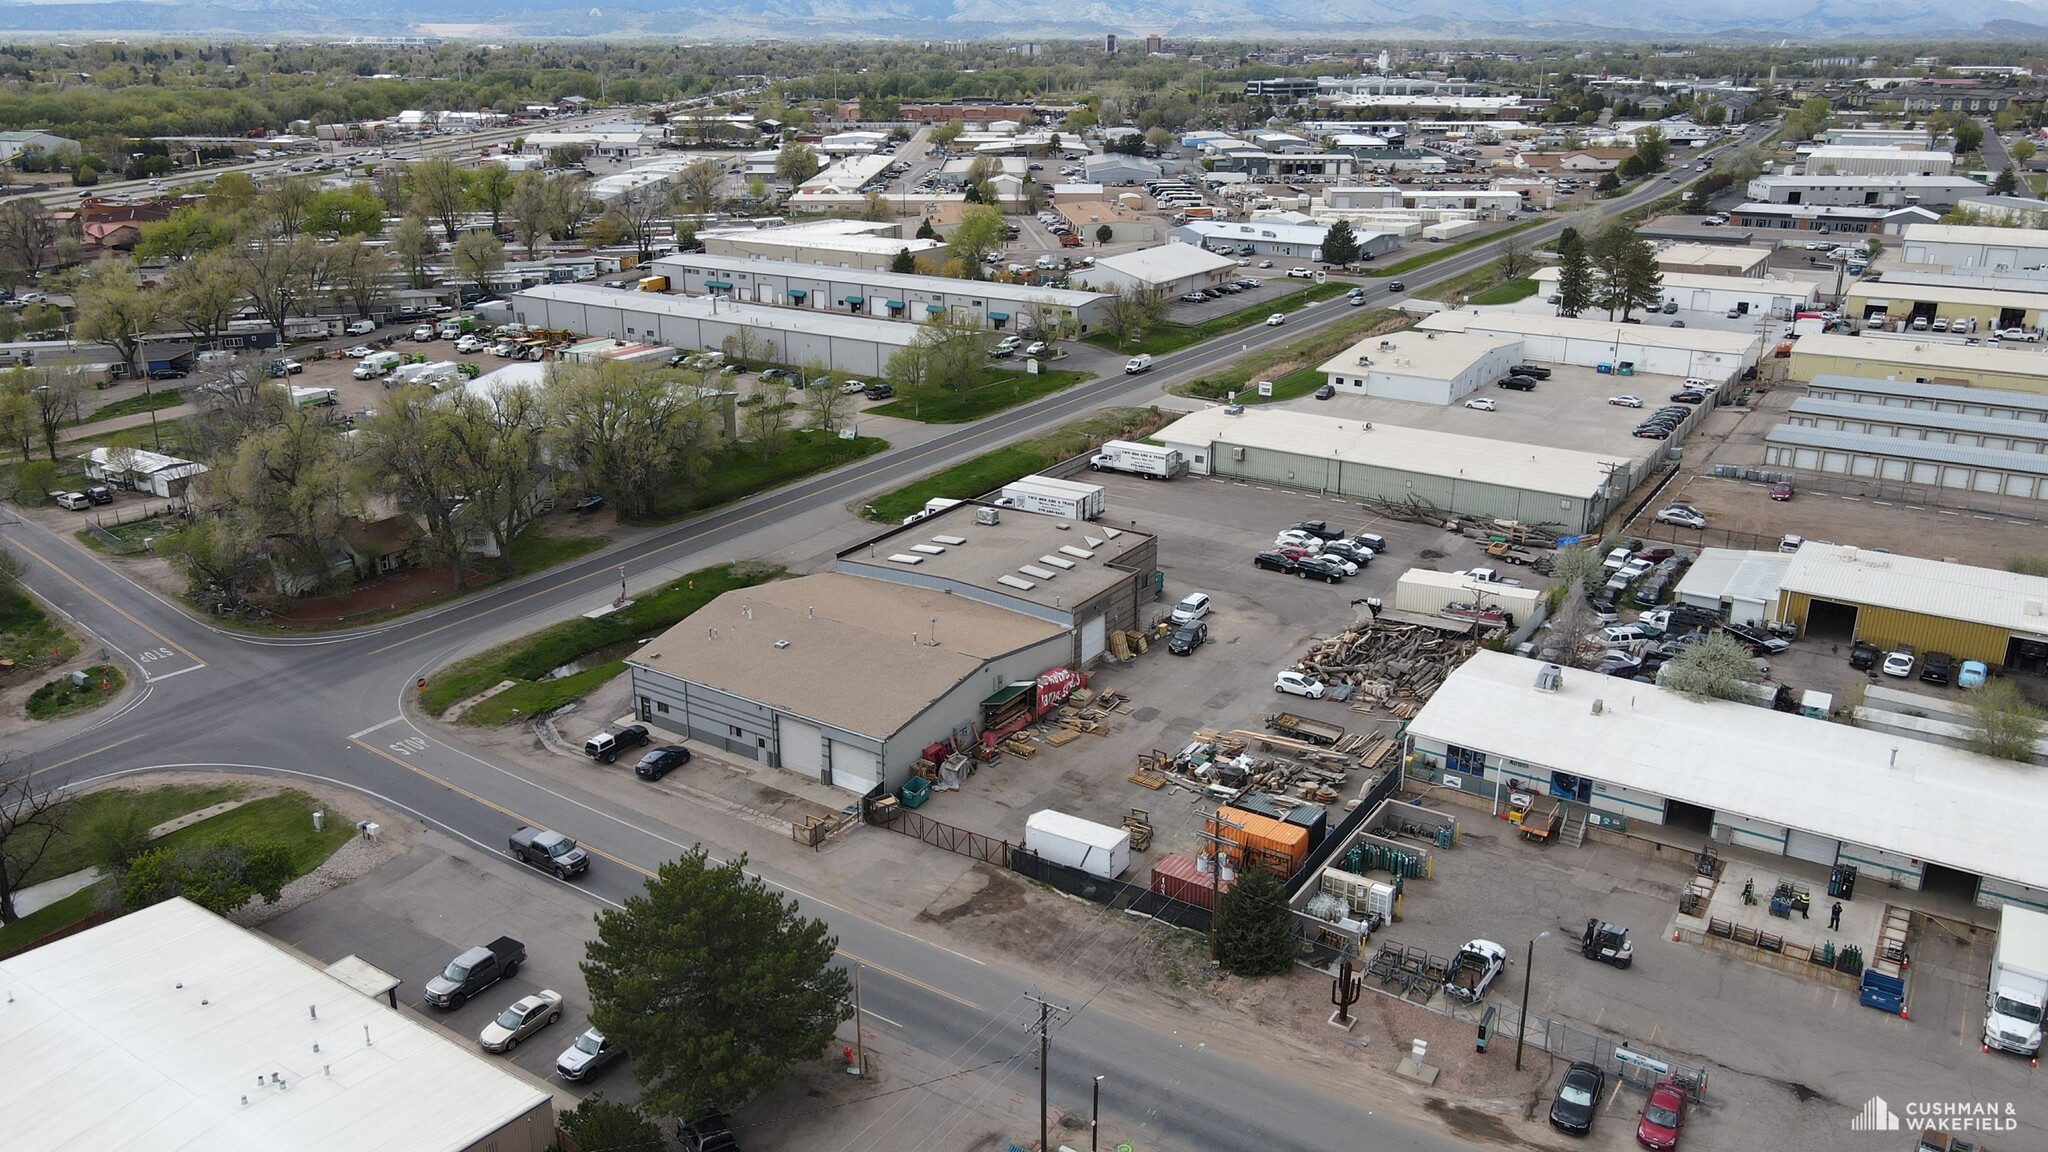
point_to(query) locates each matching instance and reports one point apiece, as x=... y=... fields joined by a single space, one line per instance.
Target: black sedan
x=1862 y=656
x=1578 y=1095
x=167 y=373
x=661 y=761
x=1327 y=568
x=1274 y=561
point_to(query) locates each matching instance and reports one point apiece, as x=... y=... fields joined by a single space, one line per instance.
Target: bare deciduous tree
x=31 y=816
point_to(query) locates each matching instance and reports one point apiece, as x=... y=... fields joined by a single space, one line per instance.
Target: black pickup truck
x=474 y=971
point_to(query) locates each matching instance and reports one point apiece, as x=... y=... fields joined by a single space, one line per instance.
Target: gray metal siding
x=961 y=705
x=1464 y=497
x=722 y=720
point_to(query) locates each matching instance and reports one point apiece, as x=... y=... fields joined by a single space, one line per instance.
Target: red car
x=1782 y=490
x=1663 y=1118
x=1653 y=555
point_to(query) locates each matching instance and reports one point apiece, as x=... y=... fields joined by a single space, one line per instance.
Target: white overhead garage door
x=802 y=745
x=857 y=770
x=1094 y=638
x=1807 y=846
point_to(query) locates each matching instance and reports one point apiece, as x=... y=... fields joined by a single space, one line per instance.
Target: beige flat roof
x=1586 y=328
x=850 y=660
x=2002 y=358
x=1446 y=355
x=1703 y=255
x=951 y=546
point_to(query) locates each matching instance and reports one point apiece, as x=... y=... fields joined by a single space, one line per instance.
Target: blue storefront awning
x=999 y=315
x=725 y=284
x=935 y=307
x=797 y=293
x=896 y=304
x=853 y=300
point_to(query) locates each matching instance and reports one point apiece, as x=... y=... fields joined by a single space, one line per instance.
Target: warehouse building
x=1962 y=307
x=1742 y=586
x=1714 y=259
x=1631 y=759
x=2020 y=406
x=1845 y=191
x=171 y=1028
x=1825 y=218
x=1428 y=368
x=1707 y=354
x=1467 y=476
x=1171 y=268
x=834 y=243
x=1972 y=246
x=1839 y=593
x=857 y=345
x=1699 y=292
x=2010 y=366
x=2022 y=475
x=889 y=295
x=847 y=677
x=1857 y=160
x=1919 y=425
x=1118 y=168
x=1268 y=238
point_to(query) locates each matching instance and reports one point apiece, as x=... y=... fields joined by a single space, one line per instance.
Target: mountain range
x=1817 y=21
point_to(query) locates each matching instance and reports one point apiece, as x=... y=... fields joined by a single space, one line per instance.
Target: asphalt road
x=335 y=708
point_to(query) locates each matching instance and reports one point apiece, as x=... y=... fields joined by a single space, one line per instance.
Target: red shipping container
x=1178 y=877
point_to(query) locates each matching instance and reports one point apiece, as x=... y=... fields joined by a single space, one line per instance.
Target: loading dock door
x=802 y=746
x=1807 y=846
x=857 y=770
x=1094 y=638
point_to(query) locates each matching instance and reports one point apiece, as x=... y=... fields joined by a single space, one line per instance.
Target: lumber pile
x=1392 y=667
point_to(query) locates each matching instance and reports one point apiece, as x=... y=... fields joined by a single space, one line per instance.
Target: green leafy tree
x=1627 y=267
x=1631 y=168
x=1104 y=234
x=1574 y=275
x=980 y=231
x=2022 y=150
x=532 y=211
x=412 y=242
x=114 y=309
x=1720 y=668
x=627 y=433
x=713 y=984
x=2005 y=183
x=440 y=191
x=190 y=230
x=1340 y=243
x=697 y=186
x=490 y=189
x=2001 y=722
x=1252 y=922
x=1969 y=137
x=1651 y=148
x=477 y=256
x=117 y=838
x=1131 y=311
x=796 y=162
x=218 y=877
x=353 y=211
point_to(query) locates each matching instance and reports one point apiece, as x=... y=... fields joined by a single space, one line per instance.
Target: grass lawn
x=739 y=472
x=1291 y=368
x=1439 y=251
x=1518 y=289
x=72 y=847
x=174 y=433
x=530 y=658
x=157 y=401
x=992 y=392
x=60 y=697
x=28 y=634
x=1167 y=337
x=286 y=817
x=532 y=550
x=992 y=470
x=43 y=921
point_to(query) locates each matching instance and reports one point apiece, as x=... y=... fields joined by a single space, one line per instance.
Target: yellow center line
x=627 y=864
x=104 y=748
x=81 y=586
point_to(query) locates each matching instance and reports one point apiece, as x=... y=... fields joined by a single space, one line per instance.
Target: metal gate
x=958 y=841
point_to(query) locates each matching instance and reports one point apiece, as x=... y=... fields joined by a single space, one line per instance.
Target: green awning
x=725 y=284
x=853 y=299
x=999 y=315
x=797 y=293
x=896 y=304
x=935 y=307
x=1008 y=693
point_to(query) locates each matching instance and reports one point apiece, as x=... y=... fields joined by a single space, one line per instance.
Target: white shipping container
x=1053 y=497
x=1425 y=593
x=1096 y=849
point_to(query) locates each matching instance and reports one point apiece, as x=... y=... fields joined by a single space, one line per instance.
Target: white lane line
x=374 y=727
x=872 y=1015
x=168 y=675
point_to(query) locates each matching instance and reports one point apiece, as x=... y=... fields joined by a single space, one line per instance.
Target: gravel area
x=350 y=862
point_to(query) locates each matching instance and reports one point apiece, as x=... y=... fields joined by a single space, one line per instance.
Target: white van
x=361 y=327
x=1137 y=364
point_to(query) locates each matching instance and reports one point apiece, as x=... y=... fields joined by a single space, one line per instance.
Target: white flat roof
x=1722 y=255
x=2016 y=359
x=1528 y=467
x=145 y=1034
x=1580 y=328
x=816 y=321
x=1165 y=262
x=1975 y=234
x=1260 y=230
x=1411 y=354
x=1708 y=282
x=1873 y=152
x=901 y=281
x=1985 y=596
x=1921 y=800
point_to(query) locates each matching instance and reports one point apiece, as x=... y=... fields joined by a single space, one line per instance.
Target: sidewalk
x=37 y=896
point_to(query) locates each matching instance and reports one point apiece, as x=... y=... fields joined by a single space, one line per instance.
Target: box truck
x=1148 y=461
x=1053 y=497
x=1096 y=849
x=932 y=507
x=2019 y=982
x=376 y=364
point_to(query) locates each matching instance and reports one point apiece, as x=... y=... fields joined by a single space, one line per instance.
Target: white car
x=1899 y=663
x=1298 y=684
x=359 y=351
x=1480 y=404
x=2026 y=334
x=1035 y=348
x=1300 y=273
x=1684 y=518
x=1626 y=401
x=1276 y=319
x=469 y=344
x=521 y=1020
x=1295 y=538
x=852 y=388
x=1265 y=263
x=1191 y=608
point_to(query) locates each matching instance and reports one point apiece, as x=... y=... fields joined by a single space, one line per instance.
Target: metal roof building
x=1706 y=292
x=894 y=295
x=1915 y=463
x=1429 y=368
x=1715 y=259
x=2023 y=406
x=1771 y=781
x=1920 y=425
x=171 y=1029
x=1973 y=246
x=2009 y=365
x=1842 y=593
x=1462 y=475
x=1740 y=583
x=1712 y=355
x=1172 y=268
x=1990 y=308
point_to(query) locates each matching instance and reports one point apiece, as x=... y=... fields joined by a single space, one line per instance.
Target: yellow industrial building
x=1844 y=594
x=1973 y=311
x=2020 y=367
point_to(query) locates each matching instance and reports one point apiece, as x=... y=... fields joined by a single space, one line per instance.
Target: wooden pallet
x=1019 y=747
x=1061 y=736
x=1147 y=778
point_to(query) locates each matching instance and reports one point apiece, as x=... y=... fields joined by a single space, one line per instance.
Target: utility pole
x=1045 y=1010
x=860 y=1051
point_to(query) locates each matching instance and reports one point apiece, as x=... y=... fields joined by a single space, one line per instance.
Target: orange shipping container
x=1273 y=844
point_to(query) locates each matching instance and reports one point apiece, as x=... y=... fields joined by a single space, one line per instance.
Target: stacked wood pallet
x=1119 y=647
x=1393 y=667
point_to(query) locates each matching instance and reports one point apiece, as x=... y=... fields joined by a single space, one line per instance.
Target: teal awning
x=935 y=307
x=896 y=304
x=999 y=315
x=798 y=293
x=853 y=300
x=725 y=284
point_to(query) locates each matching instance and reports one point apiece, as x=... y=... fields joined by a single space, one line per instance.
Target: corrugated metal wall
x=1464 y=497
x=1886 y=627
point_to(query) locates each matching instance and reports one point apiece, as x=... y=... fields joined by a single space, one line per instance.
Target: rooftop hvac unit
x=987 y=516
x=1549 y=678
x=1599 y=706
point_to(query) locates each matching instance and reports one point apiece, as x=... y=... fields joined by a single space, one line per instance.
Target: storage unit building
x=1461 y=475
x=1915 y=463
x=844 y=680
x=1973 y=246
x=2022 y=407
x=1428 y=368
x=1842 y=594
x=1901 y=811
x=1922 y=424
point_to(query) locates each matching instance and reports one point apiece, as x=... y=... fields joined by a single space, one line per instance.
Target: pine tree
x=903 y=262
x=1340 y=244
x=1252 y=921
x=1574 y=276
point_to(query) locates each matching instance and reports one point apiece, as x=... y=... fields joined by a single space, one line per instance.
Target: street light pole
x=1095 y=1116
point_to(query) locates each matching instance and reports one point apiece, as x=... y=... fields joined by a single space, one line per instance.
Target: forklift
x=1607 y=943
